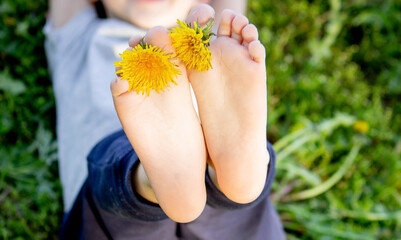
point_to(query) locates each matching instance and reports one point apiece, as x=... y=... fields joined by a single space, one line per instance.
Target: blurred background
x=334 y=82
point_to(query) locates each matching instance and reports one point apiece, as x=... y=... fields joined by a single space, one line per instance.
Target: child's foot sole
x=166 y=135
x=232 y=101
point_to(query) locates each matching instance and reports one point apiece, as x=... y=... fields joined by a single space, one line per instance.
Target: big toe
x=159 y=36
x=201 y=13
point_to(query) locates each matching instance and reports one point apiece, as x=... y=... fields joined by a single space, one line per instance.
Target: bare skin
x=61 y=11
x=143 y=15
x=233 y=108
x=167 y=136
x=238 y=6
x=232 y=105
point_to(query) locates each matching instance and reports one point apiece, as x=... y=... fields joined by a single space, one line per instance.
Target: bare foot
x=166 y=134
x=232 y=101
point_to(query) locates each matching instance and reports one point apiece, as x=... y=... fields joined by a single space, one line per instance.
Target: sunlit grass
x=330 y=63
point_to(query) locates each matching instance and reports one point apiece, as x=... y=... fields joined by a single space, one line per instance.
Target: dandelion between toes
x=232 y=107
x=191 y=44
x=147 y=68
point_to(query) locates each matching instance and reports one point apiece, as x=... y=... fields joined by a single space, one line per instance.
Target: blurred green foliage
x=334 y=87
x=337 y=178
x=30 y=192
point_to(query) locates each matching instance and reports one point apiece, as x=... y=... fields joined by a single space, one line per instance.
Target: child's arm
x=61 y=11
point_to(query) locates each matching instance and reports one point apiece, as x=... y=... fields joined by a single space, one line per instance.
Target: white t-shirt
x=81 y=56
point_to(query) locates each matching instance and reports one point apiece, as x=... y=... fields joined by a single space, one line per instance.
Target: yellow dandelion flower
x=191 y=45
x=147 y=67
x=361 y=126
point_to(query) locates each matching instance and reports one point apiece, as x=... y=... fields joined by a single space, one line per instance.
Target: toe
x=118 y=87
x=201 y=13
x=158 y=36
x=257 y=51
x=249 y=34
x=239 y=22
x=227 y=17
x=134 y=41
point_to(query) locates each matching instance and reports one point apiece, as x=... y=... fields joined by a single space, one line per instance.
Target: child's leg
x=166 y=134
x=232 y=103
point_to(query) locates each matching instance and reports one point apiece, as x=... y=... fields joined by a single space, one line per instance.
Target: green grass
x=30 y=192
x=331 y=65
